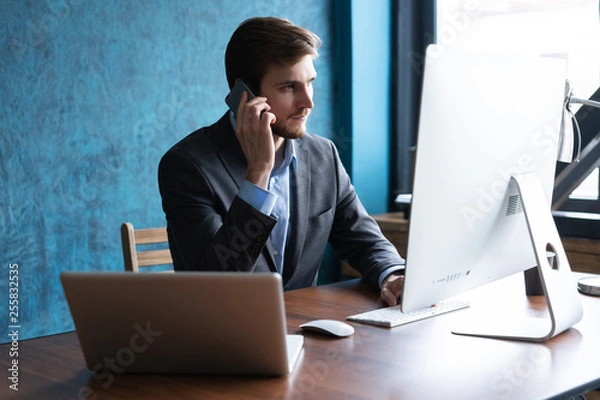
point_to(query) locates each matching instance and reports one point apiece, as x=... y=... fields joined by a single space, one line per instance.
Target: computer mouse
x=329 y=327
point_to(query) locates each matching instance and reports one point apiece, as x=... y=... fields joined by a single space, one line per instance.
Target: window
x=588 y=189
x=564 y=28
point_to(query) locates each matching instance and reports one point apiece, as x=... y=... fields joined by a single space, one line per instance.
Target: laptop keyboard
x=390 y=317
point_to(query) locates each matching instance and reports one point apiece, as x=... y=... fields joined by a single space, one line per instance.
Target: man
x=256 y=192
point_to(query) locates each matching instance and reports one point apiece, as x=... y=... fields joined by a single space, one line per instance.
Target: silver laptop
x=181 y=323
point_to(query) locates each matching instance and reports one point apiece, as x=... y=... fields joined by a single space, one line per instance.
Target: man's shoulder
x=313 y=142
x=205 y=139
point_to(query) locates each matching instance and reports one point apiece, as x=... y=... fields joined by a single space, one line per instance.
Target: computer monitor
x=484 y=171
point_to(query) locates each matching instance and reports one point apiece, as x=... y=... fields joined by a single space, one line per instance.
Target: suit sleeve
x=204 y=233
x=355 y=235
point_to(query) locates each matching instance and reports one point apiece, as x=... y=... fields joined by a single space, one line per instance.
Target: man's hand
x=391 y=289
x=253 y=131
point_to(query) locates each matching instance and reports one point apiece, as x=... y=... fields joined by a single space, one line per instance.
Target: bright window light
x=563 y=28
x=588 y=189
x=568 y=29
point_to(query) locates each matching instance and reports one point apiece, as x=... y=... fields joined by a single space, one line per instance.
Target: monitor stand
x=558 y=284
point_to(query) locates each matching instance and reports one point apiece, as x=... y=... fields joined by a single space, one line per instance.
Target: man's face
x=289 y=92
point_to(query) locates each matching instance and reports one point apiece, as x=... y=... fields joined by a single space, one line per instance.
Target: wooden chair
x=131 y=238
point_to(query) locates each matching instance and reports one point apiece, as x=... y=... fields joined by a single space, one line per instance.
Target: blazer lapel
x=231 y=154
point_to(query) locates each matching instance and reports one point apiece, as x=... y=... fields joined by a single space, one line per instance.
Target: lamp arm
x=585 y=102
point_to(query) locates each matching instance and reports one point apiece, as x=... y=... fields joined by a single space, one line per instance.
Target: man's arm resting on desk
x=391 y=284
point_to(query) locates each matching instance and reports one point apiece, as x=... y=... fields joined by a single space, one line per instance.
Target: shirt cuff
x=390 y=270
x=257 y=197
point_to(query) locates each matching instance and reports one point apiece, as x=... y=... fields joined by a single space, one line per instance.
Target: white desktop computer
x=489 y=135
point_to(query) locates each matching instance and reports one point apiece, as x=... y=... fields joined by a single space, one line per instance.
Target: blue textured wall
x=363 y=105
x=92 y=94
x=370 y=85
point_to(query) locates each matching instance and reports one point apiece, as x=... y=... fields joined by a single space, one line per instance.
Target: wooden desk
x=422 y=360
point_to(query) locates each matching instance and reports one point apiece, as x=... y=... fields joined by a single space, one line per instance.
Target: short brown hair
x=262 y=41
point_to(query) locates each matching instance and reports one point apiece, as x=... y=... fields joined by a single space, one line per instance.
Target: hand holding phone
x=254 y=135
x=235 y=95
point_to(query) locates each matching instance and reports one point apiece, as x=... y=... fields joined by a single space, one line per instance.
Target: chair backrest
x=131 y=238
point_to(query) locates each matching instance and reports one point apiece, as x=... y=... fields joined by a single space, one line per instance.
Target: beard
x=284 y=132
x=288 y=133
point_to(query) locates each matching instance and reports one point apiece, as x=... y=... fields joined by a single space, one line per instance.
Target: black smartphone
x=235 y=95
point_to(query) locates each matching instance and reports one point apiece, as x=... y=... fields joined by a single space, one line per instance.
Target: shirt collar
x=289 y=157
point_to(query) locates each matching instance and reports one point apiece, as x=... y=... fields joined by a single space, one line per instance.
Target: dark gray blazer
x=210 y=228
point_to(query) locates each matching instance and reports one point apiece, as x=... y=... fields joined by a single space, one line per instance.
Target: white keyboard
x=390 y=317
